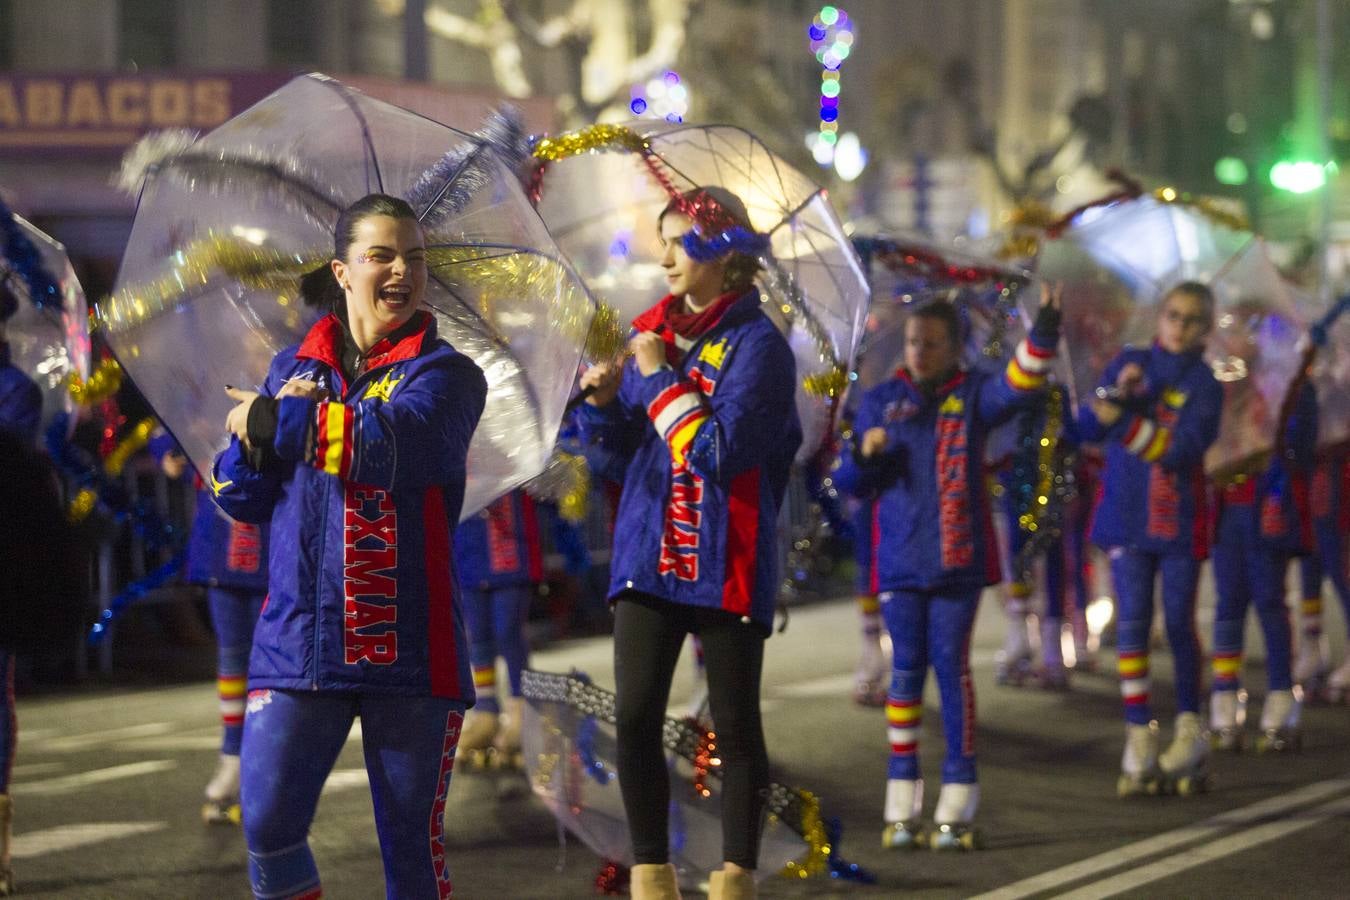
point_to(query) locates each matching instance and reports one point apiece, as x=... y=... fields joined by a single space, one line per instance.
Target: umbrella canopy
x=569 y=748
x=1117 y=262
x=601 y=190
x=904 y=272
x=208 y=290
x=1330 y=369
x=48 y=334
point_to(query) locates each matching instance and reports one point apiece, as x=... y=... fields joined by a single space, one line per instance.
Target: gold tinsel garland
x=259 y=268
x=1030 y=521
x=584 y=140
x=1205 y=206
x=830 y=383
x=510 y=277
x=817 y=859
x=82 y=504
x=101 y=384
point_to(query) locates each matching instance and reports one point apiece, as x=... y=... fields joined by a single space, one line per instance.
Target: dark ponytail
x=319 y=288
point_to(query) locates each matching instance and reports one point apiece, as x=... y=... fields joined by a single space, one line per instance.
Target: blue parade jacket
x=934 y=532
x=363 y=495
x=20 y=400
x=703 y=452
x=500 y=546
x=221 y=552
x=1152 y=495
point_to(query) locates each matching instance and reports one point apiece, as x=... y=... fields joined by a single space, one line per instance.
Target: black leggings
x=648 y=635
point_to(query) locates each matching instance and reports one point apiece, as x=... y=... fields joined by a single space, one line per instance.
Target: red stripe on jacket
x=442 y=657
x=742 y=542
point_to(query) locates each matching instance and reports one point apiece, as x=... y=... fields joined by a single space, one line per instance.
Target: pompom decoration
x=102 y=383
x=612 y=879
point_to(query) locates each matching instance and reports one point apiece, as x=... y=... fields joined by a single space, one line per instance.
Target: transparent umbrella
x=569 y=749
x=208 y=290
x=1117 y=262
x=601 y=189
x=48 y=334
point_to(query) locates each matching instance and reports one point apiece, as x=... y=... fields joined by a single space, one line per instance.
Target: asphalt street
x=107 y=789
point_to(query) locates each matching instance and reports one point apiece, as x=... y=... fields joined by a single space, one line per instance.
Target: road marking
x=1171 y=840
x=173 y=742
x=68 y=837
x=345 y=779
x=1207 y=853
x=95 y=738
x=31 y=769
x=67 y=783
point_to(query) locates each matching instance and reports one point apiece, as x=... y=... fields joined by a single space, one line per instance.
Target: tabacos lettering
x=370 y=553
x=244 y=552
x=684 y=517
x=1164 y=494
x=955 y=531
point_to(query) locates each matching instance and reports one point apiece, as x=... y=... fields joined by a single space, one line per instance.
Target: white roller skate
x=222 y=794
x=904 y=806
x=506 y=752
x=1310 y=669
x=1013 y=663
x=1185 y=762
x=475 y=751
x=1280 y=716
x=953 y=820
x=1053 y=675
x=1338 y=683
x=1227 y=715
x=1139 y=763
x=6 y=873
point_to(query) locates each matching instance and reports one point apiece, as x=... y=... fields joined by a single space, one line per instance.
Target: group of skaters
x=342 y=585
x=1135 y=449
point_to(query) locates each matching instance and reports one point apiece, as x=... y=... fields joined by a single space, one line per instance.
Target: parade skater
x=355 y=451
x=229 y=559
x=1262 y=523
x=1157 y=411
x=20 y=415
x=500 y=568
x=1330 y=524
x=919 y=444
x=700 y=427
x=1045 y=444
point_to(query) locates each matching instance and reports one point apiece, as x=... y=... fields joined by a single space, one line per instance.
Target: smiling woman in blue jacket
x=920 y=449
x=700 y=428
x=354 y=451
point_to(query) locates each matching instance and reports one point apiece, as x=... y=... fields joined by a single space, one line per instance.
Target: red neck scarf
x=680 y=329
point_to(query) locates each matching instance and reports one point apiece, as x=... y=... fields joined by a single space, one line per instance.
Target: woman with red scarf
x=700 y=428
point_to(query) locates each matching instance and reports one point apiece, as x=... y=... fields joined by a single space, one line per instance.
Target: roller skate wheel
x=954 y=837
x=1190 y=785
x=477 y=760
x=222 y=812
x=6 y=882
x=506 y=760
x=902 y=836
x=1226 y=740
x=1130 y=786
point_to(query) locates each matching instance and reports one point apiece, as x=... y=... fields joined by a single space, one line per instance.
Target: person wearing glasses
x=1156 y=411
